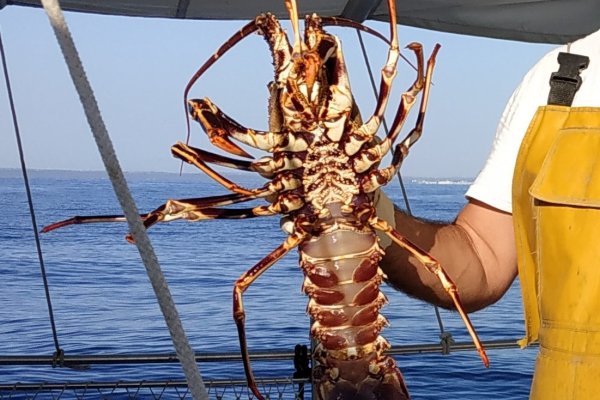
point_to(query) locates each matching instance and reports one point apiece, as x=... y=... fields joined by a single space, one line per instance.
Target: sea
x=103 y=302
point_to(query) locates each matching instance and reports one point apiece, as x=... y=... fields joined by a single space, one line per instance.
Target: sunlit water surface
x=104 y=304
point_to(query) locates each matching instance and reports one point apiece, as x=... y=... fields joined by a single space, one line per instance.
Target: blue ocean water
x=104 y=304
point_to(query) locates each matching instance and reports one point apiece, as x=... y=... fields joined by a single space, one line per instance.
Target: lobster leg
x=192 y=210
x=349 y=23
x=233 y=40
x=219 y=127
x=222 y=160
x=269 y=27
x=423 y=84
x=372 y=155
x=375 y=153
x=178 y=209
x=187 y=154
x=379 y=177
x=241 y=285
x=282 y=182
x=197 y=209
x=435 y=268
x=86 y=219
x=199 y=203
x=281 y=161
x=388 y=73
x=266 y=166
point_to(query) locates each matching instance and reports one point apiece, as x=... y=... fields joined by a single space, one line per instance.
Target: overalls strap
x=565 y=82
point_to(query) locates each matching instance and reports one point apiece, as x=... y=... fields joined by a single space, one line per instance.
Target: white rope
x=182 y=347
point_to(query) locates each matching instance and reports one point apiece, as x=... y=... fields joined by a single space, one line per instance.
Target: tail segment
x=342 y=282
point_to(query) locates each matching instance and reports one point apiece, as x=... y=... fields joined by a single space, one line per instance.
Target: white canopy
x=546 y=21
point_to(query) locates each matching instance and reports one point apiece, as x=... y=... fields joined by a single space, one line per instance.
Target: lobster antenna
x=292 y=8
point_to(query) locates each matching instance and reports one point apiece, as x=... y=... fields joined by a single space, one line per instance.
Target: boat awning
x=545 y=21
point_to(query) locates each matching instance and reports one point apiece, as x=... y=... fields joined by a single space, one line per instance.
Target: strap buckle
x=565 y=82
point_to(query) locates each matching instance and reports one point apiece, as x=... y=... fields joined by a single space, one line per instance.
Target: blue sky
x=139 y=68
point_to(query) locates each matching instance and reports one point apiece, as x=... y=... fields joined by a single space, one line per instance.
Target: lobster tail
x=371 y=377
x=342 y=282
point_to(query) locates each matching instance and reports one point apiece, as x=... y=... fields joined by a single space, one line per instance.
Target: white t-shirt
x=493 y=185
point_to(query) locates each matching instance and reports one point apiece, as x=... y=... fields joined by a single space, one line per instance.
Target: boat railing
x=295 y=386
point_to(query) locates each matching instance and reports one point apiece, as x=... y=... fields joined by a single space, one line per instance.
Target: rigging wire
x=59 y=352
x=182 y=346
x=446 y=337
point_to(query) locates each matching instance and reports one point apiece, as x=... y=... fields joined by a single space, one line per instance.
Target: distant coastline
x=13 y=173
x=77 y=174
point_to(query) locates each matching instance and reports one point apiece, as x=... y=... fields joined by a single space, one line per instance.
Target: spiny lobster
x=324 y=175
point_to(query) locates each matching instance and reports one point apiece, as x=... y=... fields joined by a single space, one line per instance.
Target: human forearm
x=476 y=251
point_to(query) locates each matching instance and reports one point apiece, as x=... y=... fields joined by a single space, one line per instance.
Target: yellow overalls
x=556 y=213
